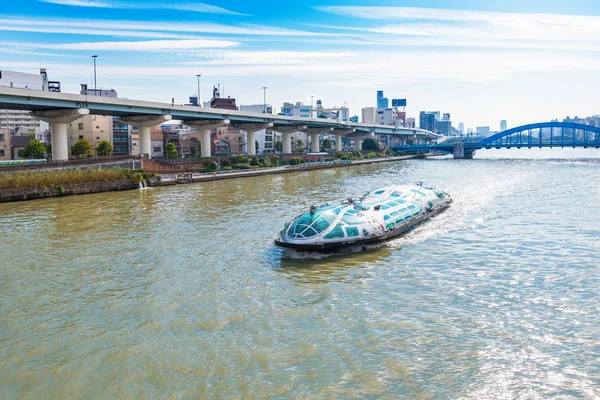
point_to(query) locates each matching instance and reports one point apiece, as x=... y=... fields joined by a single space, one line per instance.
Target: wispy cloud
x=145 y=5
x=142 y=29
x=466 y=28
x=146 y=45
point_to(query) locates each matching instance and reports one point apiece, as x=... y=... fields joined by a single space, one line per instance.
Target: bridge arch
x=546 y=134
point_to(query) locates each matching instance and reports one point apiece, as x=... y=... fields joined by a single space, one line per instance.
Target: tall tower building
x=503 y=125
x=382 y=102
x=461 y=127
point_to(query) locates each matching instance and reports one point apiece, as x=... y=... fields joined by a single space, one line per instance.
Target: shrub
x=254 y=162
x=339 y=154
x=60 y=190
x=82 y=148
x=273 y=160
x=34 y=149
x=171 y=151
x=226 y=168
x=241 y=166
x=209 y=165
x=345 y=158
x=371 y=155
x=104 y=149
x=254 y=166
x=294 y=161
x=225 y=163
x=370 y=144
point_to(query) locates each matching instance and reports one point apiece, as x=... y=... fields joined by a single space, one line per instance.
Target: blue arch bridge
x=542 y=134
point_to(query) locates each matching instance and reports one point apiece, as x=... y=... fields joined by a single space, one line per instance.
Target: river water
x=179 y=293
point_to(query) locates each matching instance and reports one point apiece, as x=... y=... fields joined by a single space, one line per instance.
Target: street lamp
x=95 y=88
x=198 y=95
x=264 y=99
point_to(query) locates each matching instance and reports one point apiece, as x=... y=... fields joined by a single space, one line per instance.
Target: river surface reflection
x=179 y=292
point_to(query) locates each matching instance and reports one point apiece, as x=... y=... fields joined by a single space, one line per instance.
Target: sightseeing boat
x=378 y=215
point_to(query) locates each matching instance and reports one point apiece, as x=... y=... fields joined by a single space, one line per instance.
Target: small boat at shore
x=376 y=216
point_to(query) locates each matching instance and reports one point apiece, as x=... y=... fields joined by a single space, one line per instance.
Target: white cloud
x=480 y=28
x=145 y=5
x=148 y=45
x=142 y=29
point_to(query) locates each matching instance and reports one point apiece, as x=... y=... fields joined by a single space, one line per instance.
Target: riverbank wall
x=168 y=179
x=67 y=190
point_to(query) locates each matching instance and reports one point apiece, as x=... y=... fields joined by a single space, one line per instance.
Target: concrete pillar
x=338 y=142
x=145 y=141
x=144 y=123
x=358 y=144
x=314 y=142
x=205 y=147
x=287 y=142
x=251 y=143
x=60 y=142
x=205 y=127
x=58 y=120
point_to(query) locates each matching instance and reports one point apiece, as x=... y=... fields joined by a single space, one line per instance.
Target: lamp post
x=264 y=99
x=198 y=98
x=95 y=88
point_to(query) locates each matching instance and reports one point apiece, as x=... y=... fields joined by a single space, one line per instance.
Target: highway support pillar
x=338 y=137
x=314 y=137
x=144 y=123
x=286 y=131
x=58 y=120
x=205 y=127
x=251 y=128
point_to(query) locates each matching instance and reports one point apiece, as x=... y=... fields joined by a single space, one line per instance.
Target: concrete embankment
x=188 y=177
x=67 y=190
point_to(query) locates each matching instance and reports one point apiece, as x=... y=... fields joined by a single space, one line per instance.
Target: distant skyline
x=520 y=61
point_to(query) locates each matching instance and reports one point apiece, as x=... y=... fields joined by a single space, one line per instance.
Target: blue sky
x=524 y=61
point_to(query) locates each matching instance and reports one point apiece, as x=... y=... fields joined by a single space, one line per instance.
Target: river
x=179 y=293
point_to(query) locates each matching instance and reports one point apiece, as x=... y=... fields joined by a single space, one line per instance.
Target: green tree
x=278 y=146
x=104 y=149
x=199 y=150
x=256 y=146
x=326 y=144
x=49 y=148
x=35 y=150
x=299 y=143
x=370 y=144
x=82 y=148
x=171 y=151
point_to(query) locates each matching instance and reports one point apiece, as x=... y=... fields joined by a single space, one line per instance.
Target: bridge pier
x=205 y=128
x=286 y=131
x=251 y=129
x=58 y=120
x=315 y=133
x=338 y=137
x=144 y=123
x=460 y=153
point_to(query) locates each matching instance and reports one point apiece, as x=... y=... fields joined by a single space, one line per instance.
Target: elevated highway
x=60 y=109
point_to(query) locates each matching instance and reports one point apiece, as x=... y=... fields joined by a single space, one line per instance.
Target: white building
x=368 y=115
x=483 y=131
x=257 y=108
x=296 y=110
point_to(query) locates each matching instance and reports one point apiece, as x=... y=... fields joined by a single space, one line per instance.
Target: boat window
x=351 y=211
x=385 y=207
x=335 y=233
x=351 y=231
x=377 y=193
x=395 y=194
x=351 y=219
x=390 y=225
x=321 y=224
x=394 y=213
x=399 y=220
x=418 y=192
x=361 y=207
x=386 y=217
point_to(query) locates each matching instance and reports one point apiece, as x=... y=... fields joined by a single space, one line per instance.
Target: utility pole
x=264 y=99
x=198 y=98
x=95 y=87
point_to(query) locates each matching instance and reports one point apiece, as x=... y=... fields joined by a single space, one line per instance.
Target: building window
x=1 y=137
x=80 y=137
x=2 y=152
x=157 y=149
x=81 y=126
x=97 y=137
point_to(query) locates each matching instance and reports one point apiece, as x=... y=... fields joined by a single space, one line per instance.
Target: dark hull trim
x=394 y=233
